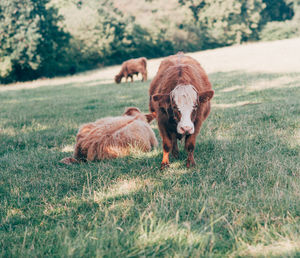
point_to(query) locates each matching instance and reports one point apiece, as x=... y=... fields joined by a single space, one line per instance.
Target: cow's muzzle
x=185 y=130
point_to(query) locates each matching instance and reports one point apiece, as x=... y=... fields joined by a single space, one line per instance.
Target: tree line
x=46 y=38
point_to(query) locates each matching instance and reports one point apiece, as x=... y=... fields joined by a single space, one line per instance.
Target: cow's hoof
x=164 y=165
x=190 y=164
x=69 y=160
x=175 y=154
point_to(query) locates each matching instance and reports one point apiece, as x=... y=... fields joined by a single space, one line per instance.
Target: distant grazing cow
x=180 y=95
x=132 y=67
x=113 y=137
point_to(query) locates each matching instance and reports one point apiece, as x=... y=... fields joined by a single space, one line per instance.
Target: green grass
x=242 y=198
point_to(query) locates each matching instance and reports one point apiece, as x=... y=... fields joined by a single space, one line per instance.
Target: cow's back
x=113 y=137
x=134 y=66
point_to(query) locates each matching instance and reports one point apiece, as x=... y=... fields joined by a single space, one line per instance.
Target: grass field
x=242 y=199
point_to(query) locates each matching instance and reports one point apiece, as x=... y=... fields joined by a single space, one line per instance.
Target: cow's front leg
x=144 y=75
x=175 y=151
x=167 y=144
x=190 y=141
x=125 y=74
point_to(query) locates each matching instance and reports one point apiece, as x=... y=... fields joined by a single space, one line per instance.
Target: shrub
x=227 y=22
x=279 y=30
x=102 y=34
x=279 y=10
x=230 y=21
x=32 y=44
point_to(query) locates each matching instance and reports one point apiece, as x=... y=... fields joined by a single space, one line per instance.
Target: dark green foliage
x=121 y=38
x=279 y=29
x=278 y=10
x=227 y=22
x=230 y=21
x=32 y=44
x=109 y=37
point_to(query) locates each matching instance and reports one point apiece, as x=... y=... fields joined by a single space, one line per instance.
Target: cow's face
x=118 y=78
x=184 y=101
x=184 y=105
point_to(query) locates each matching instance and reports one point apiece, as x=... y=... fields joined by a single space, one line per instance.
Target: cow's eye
x=163 y=110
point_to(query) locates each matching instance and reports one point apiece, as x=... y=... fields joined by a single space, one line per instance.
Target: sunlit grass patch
x=237 y=104
x=13 y=212
x=233 y=88
x=160 y=236
x=154 y=126
x=295 y=138
x=68 y=148
x=277 y=249
x=283 y=82
x=10 y=131
x=120 y=188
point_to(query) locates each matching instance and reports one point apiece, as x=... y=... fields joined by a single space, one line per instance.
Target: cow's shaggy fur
x=132 y=67
x=113 y=137
x=180 y=84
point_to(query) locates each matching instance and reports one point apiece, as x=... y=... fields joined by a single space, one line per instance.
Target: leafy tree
x=102 y=34
x=227 y=21
x=195 y=6
x=32 y=44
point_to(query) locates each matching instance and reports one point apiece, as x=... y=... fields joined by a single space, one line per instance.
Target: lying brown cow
x=132 y=67
x=113 y=137
x=180 y=95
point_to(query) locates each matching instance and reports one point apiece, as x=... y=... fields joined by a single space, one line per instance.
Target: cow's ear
x=150 y=117
x=131 y=111
x=206 y=96
x=161 y=98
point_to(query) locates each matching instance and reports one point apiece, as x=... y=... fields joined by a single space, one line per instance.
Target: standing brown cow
x=180 y=95
x=132 y=67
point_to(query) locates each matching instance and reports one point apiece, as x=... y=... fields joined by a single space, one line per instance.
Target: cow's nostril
x=185 y=128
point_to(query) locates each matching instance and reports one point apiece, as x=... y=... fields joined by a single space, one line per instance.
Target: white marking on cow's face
x=185 y=98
